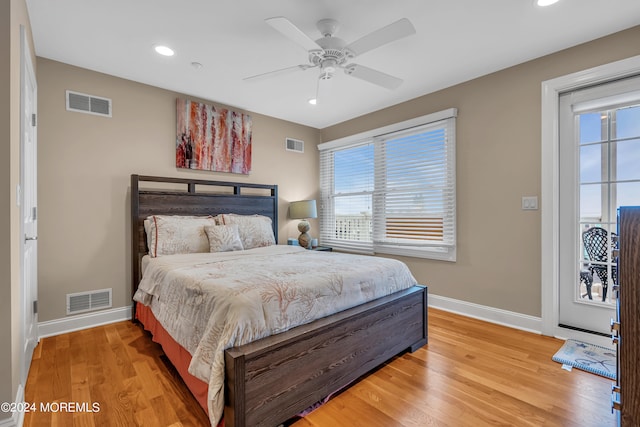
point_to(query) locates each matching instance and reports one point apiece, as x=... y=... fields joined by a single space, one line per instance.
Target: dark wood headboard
x=153 y=195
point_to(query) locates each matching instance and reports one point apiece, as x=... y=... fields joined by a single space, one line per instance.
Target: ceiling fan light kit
x=164 y=50
x=330 y=53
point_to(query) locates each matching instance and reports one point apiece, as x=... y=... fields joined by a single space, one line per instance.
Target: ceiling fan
x=329 y=53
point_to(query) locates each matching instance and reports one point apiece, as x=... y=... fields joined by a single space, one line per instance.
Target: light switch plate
x=530 y=203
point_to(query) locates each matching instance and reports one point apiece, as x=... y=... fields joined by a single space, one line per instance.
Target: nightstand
x=322 y=248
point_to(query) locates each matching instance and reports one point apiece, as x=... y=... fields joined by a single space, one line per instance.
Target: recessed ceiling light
x=196 y=65
x=546 y=2
x=164 y=50
x=313 y=101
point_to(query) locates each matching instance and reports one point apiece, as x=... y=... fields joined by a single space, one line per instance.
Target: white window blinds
x=392 y=191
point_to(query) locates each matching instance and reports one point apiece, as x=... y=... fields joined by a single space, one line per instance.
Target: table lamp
x=303 y=209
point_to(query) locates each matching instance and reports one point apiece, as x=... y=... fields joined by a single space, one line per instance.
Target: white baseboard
x=12 y=421
x=17 y=418
x=476 y=311
x=488 y=314
x=82 y=321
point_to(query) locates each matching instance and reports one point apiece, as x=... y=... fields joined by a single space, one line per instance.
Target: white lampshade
x=303 y=209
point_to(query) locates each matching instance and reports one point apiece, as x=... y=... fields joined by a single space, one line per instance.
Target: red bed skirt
x=179 y=357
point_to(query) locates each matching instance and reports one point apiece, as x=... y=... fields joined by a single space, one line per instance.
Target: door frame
x=550 y=184
x=27 y=342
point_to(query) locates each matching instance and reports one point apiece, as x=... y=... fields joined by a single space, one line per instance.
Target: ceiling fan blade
x=278 y=72
x=372 y=76
x=392 y=32
x=294 y=33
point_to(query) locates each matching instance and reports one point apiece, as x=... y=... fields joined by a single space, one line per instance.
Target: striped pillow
x=173 y=234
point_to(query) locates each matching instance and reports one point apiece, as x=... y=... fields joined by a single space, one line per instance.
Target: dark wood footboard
x=271 y=380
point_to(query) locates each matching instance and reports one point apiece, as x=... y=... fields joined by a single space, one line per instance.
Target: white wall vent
x=88 y=301
x=83 y=103
x=294 y=145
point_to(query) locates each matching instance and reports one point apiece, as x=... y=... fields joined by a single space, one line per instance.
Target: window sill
x=443 y=254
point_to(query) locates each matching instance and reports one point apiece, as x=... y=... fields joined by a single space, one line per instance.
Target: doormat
x=588 y=357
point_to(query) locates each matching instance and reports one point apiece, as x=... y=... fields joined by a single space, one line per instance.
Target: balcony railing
x=360 y=228
x=354 y=227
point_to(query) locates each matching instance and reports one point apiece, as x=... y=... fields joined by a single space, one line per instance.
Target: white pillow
x=255 y=230
x=168 y=235
x=223 y=238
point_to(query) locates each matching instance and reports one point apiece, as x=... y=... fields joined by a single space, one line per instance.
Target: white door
x=599 y=171
x=27 y=196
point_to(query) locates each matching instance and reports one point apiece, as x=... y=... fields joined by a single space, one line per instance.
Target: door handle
x=30 y=238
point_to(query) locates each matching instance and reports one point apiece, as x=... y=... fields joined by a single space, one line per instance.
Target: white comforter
x=213 y=301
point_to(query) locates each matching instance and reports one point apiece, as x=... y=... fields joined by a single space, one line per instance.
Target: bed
x=271 y=379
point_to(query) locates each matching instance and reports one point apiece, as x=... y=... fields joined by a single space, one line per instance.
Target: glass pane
x=354 y=169
x=353 y=218
x=353 y=205
x=590 y=201
x=628 y=122
x=598 y=266
x=628 y=194
x=583 y=251
x=628 y=159
x=591 y=163
x=591 y=127
x=585 y=282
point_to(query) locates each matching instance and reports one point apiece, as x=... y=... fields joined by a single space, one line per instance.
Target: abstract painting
x=212 y=139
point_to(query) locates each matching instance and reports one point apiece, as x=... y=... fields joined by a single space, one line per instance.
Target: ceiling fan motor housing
x=332 y=53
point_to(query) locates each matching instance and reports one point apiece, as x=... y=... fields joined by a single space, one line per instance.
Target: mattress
x=209 y=302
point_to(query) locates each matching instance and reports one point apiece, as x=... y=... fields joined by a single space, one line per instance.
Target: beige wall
x=85 y=163
x=498 y=162
x=13 y=15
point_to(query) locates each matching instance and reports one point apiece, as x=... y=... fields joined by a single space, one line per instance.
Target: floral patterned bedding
x=209 y=302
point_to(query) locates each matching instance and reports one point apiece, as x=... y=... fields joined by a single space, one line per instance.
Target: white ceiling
x=455 y=41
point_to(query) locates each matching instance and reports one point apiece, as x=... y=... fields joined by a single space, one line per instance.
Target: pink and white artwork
x=213 y=139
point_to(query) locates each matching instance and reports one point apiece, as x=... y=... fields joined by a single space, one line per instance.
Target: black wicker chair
x=597 y=245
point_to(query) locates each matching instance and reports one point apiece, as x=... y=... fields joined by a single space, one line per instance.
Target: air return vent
x=88 y=301
x=294 y=145
x=83 y=103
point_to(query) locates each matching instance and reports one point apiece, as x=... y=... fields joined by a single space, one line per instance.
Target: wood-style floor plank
x=471 y=373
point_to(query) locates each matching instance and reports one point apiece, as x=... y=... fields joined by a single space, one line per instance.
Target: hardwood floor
x=471 y=373
x=116 y=366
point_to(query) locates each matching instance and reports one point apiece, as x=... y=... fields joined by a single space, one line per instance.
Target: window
x=392 y=190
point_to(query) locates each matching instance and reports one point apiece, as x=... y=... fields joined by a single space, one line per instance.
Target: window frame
x=432 y=250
